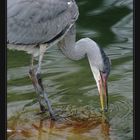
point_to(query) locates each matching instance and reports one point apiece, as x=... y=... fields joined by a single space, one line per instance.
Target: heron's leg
x=32 y=74
x=37 y=81
x=42 y=51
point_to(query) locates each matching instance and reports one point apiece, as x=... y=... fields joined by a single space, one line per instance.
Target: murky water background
x=71 y=86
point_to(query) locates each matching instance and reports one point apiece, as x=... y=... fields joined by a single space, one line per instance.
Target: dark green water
x=109 y=23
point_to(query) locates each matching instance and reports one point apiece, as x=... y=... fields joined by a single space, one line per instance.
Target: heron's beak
x=103 y=92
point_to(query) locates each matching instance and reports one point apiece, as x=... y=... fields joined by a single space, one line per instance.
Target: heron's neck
x=78 y=50
x=84 y=47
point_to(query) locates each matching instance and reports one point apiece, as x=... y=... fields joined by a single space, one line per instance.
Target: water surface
x=71 y=86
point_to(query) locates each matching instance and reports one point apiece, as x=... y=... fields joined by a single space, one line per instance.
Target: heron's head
x=100 y=66
x=101 y=78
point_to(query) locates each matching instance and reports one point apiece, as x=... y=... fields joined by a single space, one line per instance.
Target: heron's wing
x=38 y=21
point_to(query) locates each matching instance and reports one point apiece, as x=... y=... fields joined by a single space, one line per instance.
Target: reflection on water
x=71 y=86
x=79 y=126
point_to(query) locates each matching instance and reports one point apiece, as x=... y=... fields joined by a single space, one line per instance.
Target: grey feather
x=34 y=21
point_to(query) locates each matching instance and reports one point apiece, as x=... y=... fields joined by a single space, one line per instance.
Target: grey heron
x=36 y=25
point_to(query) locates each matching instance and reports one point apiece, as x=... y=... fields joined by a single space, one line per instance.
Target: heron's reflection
x=71 y=129
x=68 y=128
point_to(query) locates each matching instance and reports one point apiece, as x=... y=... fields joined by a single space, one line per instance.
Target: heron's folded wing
x=38 y=21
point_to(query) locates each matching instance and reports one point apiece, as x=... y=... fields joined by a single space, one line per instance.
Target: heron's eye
x=104 y=74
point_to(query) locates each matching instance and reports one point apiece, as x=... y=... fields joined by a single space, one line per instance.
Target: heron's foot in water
x=42 y=110
x=58 y=115
x=55 y=115
x=52 y=116
x=37 y=82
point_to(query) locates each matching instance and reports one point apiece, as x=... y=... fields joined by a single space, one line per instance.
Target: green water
x=70 y=83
